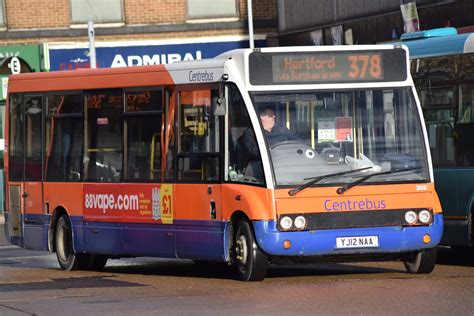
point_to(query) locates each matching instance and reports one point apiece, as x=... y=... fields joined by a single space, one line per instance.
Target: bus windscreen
x=327 y=67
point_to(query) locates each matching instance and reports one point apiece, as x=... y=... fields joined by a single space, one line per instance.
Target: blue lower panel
x=184 y=239
x=35 y=237
x=35 y=231
x=323 y=242
x=97 y=237
x=200 y=240
x=148 y=240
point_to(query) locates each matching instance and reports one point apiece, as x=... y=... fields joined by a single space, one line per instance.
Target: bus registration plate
x=357 y=242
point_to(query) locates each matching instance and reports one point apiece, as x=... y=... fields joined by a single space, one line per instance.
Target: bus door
x=26 y=167
x=199 y=172
x=33 y=174
x=15 y=168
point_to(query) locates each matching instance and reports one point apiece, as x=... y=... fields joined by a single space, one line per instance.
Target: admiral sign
x=67 y=57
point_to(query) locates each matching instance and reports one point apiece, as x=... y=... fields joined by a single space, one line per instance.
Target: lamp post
x=91 y=34
x=250 y=18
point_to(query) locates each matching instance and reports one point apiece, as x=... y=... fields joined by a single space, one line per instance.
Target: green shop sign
x=30 y=56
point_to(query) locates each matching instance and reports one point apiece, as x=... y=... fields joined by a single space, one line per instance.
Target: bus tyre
x=421 y=262
x=251 y=263
x=68 y=260
x=98 y=262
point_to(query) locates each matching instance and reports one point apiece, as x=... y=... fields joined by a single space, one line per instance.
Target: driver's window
x=245 y=163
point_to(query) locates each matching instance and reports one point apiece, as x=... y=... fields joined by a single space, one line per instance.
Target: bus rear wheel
x=421 y=262
x=97 y=263
x=67 y=258
x=250 y=262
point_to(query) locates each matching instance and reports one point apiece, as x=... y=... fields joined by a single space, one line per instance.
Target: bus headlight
x=286 y=222
x=300 y=222
x=424 y=217
x=411 y=217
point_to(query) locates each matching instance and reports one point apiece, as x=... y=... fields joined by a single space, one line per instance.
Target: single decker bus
x=257 y=156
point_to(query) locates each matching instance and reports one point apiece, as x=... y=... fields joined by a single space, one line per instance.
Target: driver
x=274 y=134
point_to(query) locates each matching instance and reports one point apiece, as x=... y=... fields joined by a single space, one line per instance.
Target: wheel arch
x=57 y=213
x=236 y=216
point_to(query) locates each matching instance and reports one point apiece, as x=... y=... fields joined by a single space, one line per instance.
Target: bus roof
x=102 y=78
x=440 y=46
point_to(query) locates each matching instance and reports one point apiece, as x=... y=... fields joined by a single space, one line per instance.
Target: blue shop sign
x=140 y=55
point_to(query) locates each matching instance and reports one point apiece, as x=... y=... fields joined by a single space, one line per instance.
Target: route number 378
x=363 y=66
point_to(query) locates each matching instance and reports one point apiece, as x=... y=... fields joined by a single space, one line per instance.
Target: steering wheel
x=292 y=149
x=285 y=143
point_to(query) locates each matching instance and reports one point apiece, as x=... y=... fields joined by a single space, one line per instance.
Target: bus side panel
x=148 y=240
x=89 y=237
x=255 y=202
x=36 y=236
x=197 y=213
x=35 y=227
x=200 y=240
x=97 y=237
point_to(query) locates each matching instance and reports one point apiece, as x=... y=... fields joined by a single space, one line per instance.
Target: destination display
x=327 y=67
x=139 y=101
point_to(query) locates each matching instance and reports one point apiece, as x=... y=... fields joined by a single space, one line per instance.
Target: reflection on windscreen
x=311 y=134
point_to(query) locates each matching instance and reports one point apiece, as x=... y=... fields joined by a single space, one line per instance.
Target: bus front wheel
x=67 y=258
x=421 y=262
x=251 y=263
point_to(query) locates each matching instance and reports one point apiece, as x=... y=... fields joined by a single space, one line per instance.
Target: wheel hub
x=241 y=249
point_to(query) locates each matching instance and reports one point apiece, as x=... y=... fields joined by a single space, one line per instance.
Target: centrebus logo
x=110 y=202
x=348 y=205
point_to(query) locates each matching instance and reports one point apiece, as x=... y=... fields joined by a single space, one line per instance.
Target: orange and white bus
x=184 y=161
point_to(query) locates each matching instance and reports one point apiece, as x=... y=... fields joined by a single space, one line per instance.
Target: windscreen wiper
x=314 y=180
x=357 y=182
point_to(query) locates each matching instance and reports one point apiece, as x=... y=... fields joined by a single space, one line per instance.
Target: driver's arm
x=251 y=144
x=289 y=135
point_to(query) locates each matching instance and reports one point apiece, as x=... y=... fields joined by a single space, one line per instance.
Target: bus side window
x=16 y=149
x=33 y=134
x=103 y=136
x=199 y=137
x=64 y=137
x=143 y=122
x=243 y=166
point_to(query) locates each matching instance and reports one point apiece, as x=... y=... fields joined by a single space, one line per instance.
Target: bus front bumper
x=323 y=242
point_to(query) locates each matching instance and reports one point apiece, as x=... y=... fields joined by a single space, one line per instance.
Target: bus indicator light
x=426 y=239
x=286 y=244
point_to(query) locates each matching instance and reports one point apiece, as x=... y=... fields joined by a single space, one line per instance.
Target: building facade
x=330 y=22
x=150 y=31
